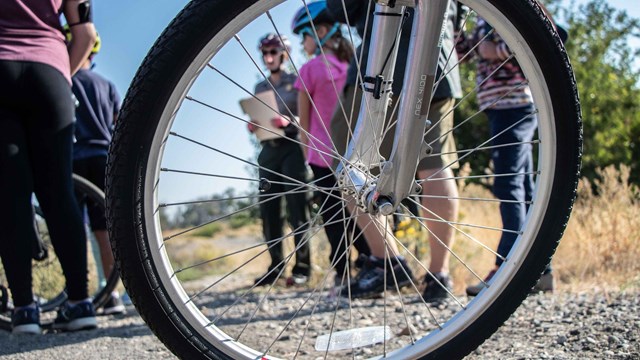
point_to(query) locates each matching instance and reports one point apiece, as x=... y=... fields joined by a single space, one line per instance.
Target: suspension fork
x=397 y=175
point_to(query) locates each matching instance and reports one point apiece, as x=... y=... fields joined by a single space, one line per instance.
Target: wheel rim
x=455 y=324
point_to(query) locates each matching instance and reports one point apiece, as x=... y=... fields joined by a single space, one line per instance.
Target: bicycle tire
x=140 y=137
x=51 y=298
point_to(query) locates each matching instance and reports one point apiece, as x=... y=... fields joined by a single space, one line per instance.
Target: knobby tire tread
x=173 y=49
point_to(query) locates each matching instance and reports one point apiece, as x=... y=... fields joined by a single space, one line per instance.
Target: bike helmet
x=273 y=40
x=315 y=12
x=311 y=15
x=96 y=46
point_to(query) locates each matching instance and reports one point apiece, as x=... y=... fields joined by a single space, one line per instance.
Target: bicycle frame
x=396 y=180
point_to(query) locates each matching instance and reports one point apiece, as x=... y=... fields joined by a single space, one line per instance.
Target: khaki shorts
x=444 y=147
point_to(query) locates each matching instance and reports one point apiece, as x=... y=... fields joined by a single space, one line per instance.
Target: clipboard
x=259 y=112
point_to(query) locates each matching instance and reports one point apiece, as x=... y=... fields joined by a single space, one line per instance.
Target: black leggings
x=333 y=214
x=36 y=135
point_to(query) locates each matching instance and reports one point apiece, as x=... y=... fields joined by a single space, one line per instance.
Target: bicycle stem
x=397 y=176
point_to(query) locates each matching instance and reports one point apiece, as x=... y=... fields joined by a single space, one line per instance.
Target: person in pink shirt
x=317 y=100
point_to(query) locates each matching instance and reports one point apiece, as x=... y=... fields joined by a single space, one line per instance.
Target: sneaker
x=267 y=278
x=474 y=290
x=437 y=291
x=80 y=316
x=297 y=280
x=26 y=320
x=361 y=260
x=114 y=305
x=544 y=284
x=370 y=281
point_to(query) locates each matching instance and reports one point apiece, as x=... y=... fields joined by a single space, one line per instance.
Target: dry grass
x=600 y=248
x=477 y=247
x=195 y=256
x=601 y=245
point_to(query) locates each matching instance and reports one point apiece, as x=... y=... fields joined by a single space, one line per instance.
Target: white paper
x=259 y=109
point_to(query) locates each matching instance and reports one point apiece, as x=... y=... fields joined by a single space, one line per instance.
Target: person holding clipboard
x=280 y=154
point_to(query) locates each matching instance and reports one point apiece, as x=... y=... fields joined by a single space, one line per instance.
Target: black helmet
x=273 y=40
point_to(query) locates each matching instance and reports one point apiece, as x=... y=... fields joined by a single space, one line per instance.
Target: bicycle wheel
x=179 y=151
x=48 y=281
x=100 y=284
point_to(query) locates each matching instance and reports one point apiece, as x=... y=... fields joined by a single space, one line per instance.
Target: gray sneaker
x=114 y=306
x=297 y=280
x=474 y=290
x=546 y=283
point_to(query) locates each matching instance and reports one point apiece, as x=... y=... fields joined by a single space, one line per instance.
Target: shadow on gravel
x=236 y=307
x=125 y=326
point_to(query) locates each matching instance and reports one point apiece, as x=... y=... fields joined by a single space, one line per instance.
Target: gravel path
x=562 y=326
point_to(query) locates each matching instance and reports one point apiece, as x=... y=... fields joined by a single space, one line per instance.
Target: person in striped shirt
x=505 y=97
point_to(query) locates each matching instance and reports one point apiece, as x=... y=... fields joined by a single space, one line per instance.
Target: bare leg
x=440 y=232
x=376 y=231
x=102 y=236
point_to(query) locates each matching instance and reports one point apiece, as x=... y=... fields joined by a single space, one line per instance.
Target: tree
x=206 y=209
x=608 y=83
x=608 y=78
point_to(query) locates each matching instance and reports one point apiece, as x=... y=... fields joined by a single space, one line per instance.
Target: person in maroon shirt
x=36 y=136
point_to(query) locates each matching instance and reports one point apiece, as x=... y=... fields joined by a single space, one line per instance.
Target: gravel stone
x=572 y=326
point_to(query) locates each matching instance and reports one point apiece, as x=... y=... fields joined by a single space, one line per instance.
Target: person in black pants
x=36 y=134
x=282 y=156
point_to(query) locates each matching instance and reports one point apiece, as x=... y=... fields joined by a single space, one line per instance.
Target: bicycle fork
x=397 y=175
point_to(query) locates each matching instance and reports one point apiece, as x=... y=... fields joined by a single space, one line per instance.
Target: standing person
x=36 y=135
x=96 y=113
x=505 y=97
x=282 y=156
x=440 y=196
x=317 y=83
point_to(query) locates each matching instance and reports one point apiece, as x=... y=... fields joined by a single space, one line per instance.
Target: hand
x=280 y=122
x=251 y=126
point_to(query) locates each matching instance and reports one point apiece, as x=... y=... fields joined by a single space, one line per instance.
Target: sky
x=128 y=29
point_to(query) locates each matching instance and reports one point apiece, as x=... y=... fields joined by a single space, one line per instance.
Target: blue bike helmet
x=313 y=14
x=315 y=11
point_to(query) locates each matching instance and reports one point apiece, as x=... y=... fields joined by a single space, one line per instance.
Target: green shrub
x=240 y=220
x=208 y=230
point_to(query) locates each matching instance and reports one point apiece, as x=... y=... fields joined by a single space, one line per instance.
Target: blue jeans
x=517 y=159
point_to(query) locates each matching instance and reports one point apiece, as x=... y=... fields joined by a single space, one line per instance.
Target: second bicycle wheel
x=184 y=189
